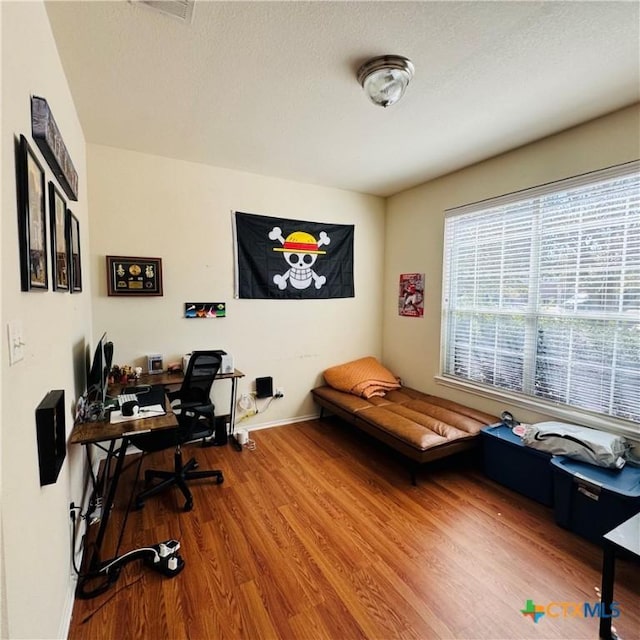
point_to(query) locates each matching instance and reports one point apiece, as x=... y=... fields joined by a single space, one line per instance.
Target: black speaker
x=50 y=431
x=264 y=387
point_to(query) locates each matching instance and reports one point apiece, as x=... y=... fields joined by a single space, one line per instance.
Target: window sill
x=624 y=428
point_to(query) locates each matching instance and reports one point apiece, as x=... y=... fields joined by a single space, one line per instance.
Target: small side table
x=625 y=537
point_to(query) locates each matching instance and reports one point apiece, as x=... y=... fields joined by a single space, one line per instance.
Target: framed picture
x=32 y=220
x=73 y=244
x=59 y=239
x=155 y=364
x=411 y=295
x=131 y=276
x=47 y=136
x=205 y=309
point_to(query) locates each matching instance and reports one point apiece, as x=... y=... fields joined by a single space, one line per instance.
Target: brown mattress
x=420 y=426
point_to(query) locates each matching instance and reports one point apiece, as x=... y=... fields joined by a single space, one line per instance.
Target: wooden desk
x=175 y=379
x=167 y=378
x=103 y=432
x=99 y=432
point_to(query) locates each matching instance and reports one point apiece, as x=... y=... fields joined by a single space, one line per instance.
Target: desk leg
x=232 y=415
x=108 y=503
x=608 y=575
x=232 y=409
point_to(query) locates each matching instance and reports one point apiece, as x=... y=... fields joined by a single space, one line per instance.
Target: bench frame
x=416 y=457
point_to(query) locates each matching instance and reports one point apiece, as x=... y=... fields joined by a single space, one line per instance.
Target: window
x=541 y=293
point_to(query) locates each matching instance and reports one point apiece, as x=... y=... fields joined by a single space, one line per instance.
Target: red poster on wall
x=411 y=297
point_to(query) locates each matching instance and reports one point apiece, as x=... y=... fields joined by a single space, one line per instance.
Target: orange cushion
x=365 y=377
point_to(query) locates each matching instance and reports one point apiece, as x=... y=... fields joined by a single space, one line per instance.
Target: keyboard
x=144 y=395
x=127 y=397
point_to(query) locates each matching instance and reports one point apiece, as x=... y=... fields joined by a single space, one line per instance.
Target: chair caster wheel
x=188 y=506
x=219 y=479
x=138 y=506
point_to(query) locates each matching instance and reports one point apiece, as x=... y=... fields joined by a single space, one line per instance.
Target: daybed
x=421 y=427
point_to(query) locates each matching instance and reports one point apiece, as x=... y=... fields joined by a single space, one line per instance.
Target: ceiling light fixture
x=385 y=78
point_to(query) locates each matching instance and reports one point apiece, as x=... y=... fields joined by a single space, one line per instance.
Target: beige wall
x=35 y=520
x=181 y=212
x=415 y=224
x=144 y=205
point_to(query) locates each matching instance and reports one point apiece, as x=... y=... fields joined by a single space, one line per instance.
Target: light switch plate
x=16 y=341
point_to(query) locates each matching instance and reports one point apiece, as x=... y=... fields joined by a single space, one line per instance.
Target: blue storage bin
x=591 y=500
x=512 y=464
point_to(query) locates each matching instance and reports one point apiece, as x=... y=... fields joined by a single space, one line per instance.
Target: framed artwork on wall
x=47 y=136
x=73 y=243
x=411 y=296
x=59 y=240
x=132 y=276
x=32 y=220
x=205 y=309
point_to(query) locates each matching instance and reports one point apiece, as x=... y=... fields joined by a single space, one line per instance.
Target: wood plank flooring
x=319 y=534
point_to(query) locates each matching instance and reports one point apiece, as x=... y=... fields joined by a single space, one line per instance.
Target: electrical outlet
x=245 y=402
x=280 y=392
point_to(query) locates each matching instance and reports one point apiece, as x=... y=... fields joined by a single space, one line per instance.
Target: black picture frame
x=75 y=261
x=47 y=136
x=59 y=240
x=32 y=220
x=132 y=276
x=205 y=309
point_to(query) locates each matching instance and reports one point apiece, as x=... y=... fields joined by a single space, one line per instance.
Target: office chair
x=195 y=414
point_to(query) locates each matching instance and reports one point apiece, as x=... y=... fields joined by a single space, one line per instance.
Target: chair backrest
x=198 y=379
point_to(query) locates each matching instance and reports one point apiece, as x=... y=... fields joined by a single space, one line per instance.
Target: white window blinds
x=541 y=292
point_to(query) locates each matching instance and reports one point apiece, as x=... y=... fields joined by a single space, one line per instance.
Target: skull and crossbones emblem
x=300 y=250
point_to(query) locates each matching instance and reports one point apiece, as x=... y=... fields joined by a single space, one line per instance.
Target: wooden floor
x=318 y=533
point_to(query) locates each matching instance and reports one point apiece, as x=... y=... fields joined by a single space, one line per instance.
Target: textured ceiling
x=270 y=87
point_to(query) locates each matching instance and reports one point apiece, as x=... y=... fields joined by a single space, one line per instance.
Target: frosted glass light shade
x=385 y=78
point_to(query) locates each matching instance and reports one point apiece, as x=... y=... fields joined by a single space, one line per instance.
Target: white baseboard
x=276 y=423
x=67 y=611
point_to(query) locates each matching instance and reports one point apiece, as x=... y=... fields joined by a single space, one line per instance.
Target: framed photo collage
x=58 y=233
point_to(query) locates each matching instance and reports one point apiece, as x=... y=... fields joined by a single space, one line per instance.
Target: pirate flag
x=280 y=258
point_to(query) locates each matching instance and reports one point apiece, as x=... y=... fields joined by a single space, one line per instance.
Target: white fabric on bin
x=580 y=443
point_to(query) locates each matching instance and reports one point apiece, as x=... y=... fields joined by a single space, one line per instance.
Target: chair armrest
x=196 y=407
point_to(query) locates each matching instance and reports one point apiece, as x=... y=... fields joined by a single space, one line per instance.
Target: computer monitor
x=99 y=372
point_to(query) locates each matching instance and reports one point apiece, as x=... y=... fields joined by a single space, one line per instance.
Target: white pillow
x=581 y=443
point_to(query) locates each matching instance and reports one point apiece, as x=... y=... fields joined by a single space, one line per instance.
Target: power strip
x=168 y=561
x=162 y=557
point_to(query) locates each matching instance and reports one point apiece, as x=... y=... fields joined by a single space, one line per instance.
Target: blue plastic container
x=591 y=500
x=512 y=464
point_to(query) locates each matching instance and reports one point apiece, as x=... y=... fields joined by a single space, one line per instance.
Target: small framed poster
x=411 y=295
x=130 y=276
x=32 y=220
x=205 y=309
x=59 y=246
x=73 y=243
x=155 y=363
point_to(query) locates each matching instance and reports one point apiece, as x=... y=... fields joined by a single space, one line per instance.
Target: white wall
x=144 y=205
x=415 y=224
x=4 y=630
x=35 y=556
